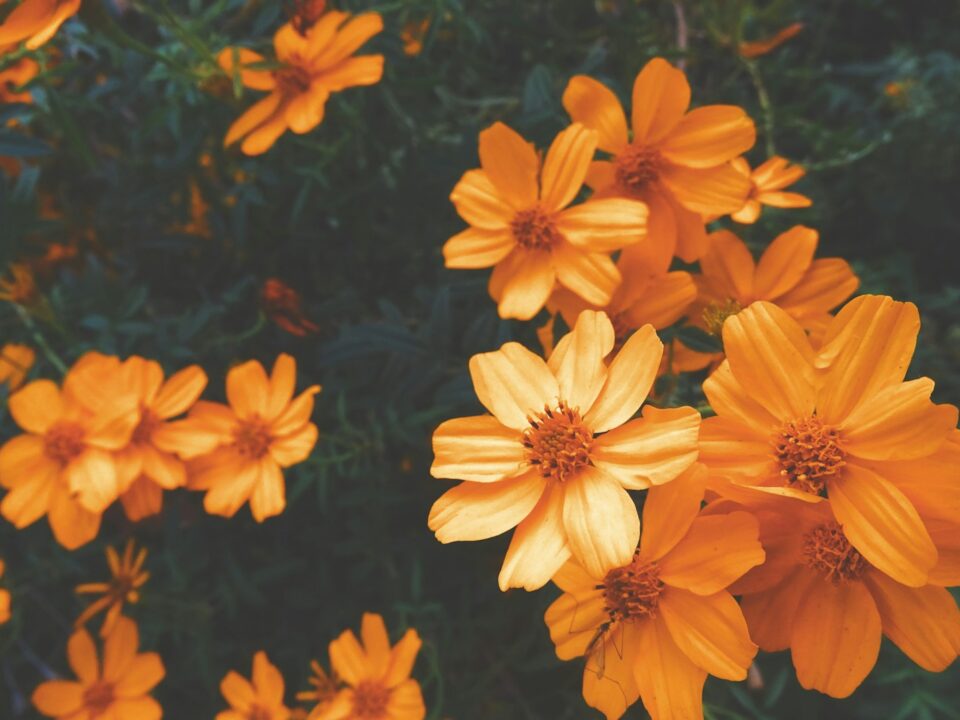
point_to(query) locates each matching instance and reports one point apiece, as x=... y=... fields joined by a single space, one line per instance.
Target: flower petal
x=513 y=384
x=528 y=285
x=36 y=406
x=577 y=361
x=710 y=135
x=82 y=656
x=477 y=248
x=827 y=283
x=591 y=276
x=180 y=392
x=144 y=673
x=785 y=261
x=733 y=402
x=269 y=491
x=71 y=523
x=248 y=389
x=406 y=702
x=479 y=202
x=58 y=698
x=604 y=225
x=594 y=104
x=661 y=95
x=119 y=649
x=770 y=613
x=255 y=116
x=347 y=658
x=402 y=658
x=566 y=165
x=709 y=191
x=670 y=684
x=476 y=448
x=669 y=511
x=511 y=164
x=608 y=683
x=538 y=547
x=573 y=622
x=267 y=680
x=728 y=268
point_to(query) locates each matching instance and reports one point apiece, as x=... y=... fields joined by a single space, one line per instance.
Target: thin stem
x=682 y=33
x=40 y=340
x=765 y=105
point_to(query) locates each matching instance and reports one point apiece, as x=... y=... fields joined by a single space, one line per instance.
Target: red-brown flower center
x=63 y=442
x=98 y=698
x=636 y=167
x=827 y=550
x=716 y=313
x=535 y=229
x=292 y=80
x=252 y=437
x=149 y=421
x=370 y=700
x=558 y=442
x=808 y=453
x=632 y=591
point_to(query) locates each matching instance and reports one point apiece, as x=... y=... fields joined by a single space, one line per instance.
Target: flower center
x=370 y=700
x=98 y=698
x=534 y=229
x=304 y=13
x=252 y=437
x=637 y=167
x=292 y=80
x=149 y=421
x=716 y=313
x=808 y=453
x=632 y=591
x=258 y=712
x=63 y=442
x=827 y=550
x=558 y=442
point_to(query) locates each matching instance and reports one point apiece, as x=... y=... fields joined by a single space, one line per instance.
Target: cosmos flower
x=260 y=698
x=767 y=182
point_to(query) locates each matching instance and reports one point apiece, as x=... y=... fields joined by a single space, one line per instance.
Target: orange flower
x=128 y=578
x=762 y=47
x=261 y=699
x=412 y=36
x=4 y=599
x=325 y=688
x=379 y=686
x=285 y=307
x=655 y=627
x=35 y=21
x=21 y=289
x=786 y=275
x=15 y=76
x=559 y=452
x=677 y=162
x=792 y=422
x=767 y=183
x=820 y=597
x=313 y=65
x=62 y=466
x=117 y=688
x=521 y=223
x=236 y=451
x=15 y=363
x=305 y=13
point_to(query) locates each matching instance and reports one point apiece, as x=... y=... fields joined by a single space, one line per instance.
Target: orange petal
x=352 y=72
x=692 y=241
x=267 y=680
x=566 y=165
x=237 y=691
x=748 y=214
x=827 y=283
x=669 y=510
x=92 y=479
x=268 y=497
x=402 y=658
x=180 y=392
x=233 y=59
x=784 y=199
x=265 y=135
x=477 y=511
x=142 y=499
x=144 y=673
x=709 y=136
x=881 y=523
x=835 y=638
x=230 y=487
x=255 y=116
x=513 y=384
x=661 y=95
x=573 y=622
x=526 y=289
x=119 y=649
x=37 y=406
x=476 y=448
x=591 y=276
x=665 y=301
x=305 y=111
x=785 y=261
x=662 y=231
x=709 y=191
x=511 y=164
x=19 y=459
x=82 y=656
x=728 y=267
x=670 y=684
x=406 y=701
x=479 y=202
x=577 y=361
x=347 y=658
x=141 y=708
x=71 y=523
x=59 y=698
x=733 y=402
x=930 y=483
x=594 y=105
x=770 y=613
x=538 y=547
x=608 y=683
x=604 y=225
x=477 y=248
x=248 y=389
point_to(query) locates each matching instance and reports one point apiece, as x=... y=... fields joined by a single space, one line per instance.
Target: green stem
x=765 y=105
x=40 y=340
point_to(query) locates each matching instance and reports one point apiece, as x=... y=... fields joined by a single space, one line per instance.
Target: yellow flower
x=379 y=686
x=128 y=578
x=260 y=698
x=559 y=451
x=522 y=226
x=15 y=363
x=118 y=688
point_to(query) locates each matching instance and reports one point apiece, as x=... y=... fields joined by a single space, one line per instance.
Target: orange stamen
x=558 y=442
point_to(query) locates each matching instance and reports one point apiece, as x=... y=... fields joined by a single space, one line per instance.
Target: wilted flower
x=284 y=306
x=124 y=587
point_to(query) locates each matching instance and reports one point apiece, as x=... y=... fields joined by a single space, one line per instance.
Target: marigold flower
x=313 y=64
x=559 y=452
x=766 y=45
x=63 y=465
x=20 y=288
x=117 y=688
x=325 y=687
x=377 y=676
x=677 y=162
x=521 y=223
x=767 y=183
x=260 y=698
x=236 y=451
x=14 y=77
x=655 y=627
x=795 y=423
x=824 y=600
x=4 y=598
x=124 y=586
x=284 y=306
x=15 y=363
x=35 y=21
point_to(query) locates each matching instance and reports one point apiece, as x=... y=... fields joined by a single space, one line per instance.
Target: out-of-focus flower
x=34 y=22
x=237 y=451
x=124 y=587
x=655 y=627
x=558 y=452
x=377 y=676
x=4 y=598
x=14 y=77
x=412 y=35
x=767 y=183
x=20 y=288
x=792 y=422
x=116 y=688
x=304 y=14
x=15 y=363
x=284 y=306
x=198 y=224
x=522 y=226
x=757 y=48
x=675 y=161
x=325 y=687
x=312 y=66
x=260 y=698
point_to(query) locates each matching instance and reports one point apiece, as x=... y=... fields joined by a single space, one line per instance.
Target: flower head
x=124 y=587
x=284 y=306
x=314 y=62
x=522 y=226
x=657 y=625
x=15 y=363
x=675 y=161
x=260 y=698
x=792 y=422
x=116 y=688
x=412 y=35
x=559 y=451
x=14 y=77
x=325 y=687
x=237 y=451
x=35 y=21
x=767 y=182
x=376 y=675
